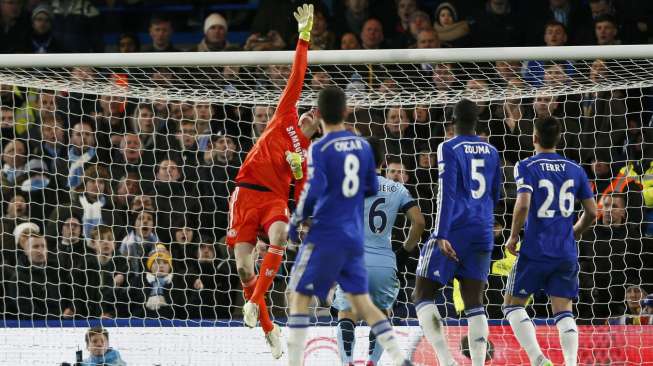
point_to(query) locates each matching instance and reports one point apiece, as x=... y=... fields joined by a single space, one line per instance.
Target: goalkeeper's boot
x=543 y=361
x=273 y=339
x=250 y=314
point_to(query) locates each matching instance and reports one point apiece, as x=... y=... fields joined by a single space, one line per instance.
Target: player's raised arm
x=447 y=184
x=290 y=96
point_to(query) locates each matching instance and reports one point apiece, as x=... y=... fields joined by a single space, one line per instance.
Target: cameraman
x=97 y=344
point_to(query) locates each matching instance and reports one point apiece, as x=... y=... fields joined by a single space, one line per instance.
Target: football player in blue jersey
x=380 y=213
x=547 y=187
x=341 y=173
x=469 y=187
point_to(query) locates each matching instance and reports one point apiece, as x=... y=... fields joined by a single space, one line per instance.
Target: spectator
x=428 y=39
x=610 y=257
x=512 y=134
x=509 y=74
x=215 y=34
x=38 y=185
x=161 y=33
x=451 y=31
x=145 y=126
x=16 y=229
x=555 y=35
x=182 y=247
x=42 y=39
x=605 y=30
x=70 y=245
x=444 y=78
x=139 y=241
x=38 y=289
x=496 y=26
x=186 y=145
x=131 y=158
x=603 y=117
x=418 y=22
x=159 y=292
x=81 y=154
x=349 y=41
x=635 y=301
x=49 y=143
x=217 y=177
x=571 y=14
x=111 y=120
x=129 y=42
x=630 y=17
x=97 y=343
x=75 y=25
x=545 y=106
x=271 y=41
x=261 y=116
x=405 y=10
x=372 y=35
x=398 y=133
x=276 y=77
x=213 y=273
x=7 y=123
x=124 y=192
x=426 y=176
x=321 y=37
x=14 y=167
x=100 y=278
x=355 y=13
x=173 y=198
x=15 y=25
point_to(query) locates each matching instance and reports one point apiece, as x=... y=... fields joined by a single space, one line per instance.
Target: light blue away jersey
x=554 y=183
x=469 y=187
x=380 y=214
x=341 y=173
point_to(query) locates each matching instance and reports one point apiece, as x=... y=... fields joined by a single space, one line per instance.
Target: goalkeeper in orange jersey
x=260 y=201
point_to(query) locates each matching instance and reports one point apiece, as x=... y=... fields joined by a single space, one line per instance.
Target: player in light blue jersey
x=380 y=213
x=547 y=187
x=341 y=173
x=461 y=243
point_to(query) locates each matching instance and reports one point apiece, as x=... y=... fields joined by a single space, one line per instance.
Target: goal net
x=124 y=163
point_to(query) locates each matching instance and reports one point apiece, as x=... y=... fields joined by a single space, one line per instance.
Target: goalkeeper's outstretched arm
x=290 y=96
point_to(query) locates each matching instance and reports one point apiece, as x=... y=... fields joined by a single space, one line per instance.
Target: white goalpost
x=119 y=158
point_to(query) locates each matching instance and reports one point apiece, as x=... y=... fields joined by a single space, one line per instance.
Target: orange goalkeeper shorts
x=251 y=211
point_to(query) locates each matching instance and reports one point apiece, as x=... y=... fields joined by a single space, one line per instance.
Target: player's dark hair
x=465 y=117
x=377 y=150
x=548 y=131
x=332 y=103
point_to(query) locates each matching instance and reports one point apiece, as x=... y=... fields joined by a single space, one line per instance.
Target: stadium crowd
x=117 y=207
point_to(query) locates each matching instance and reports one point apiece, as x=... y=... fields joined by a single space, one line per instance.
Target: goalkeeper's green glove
x=295 y=161
x=304 y=16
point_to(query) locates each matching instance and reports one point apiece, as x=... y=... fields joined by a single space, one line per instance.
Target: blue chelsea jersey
x=554 y=183
x=341 y=173
x=469 y=187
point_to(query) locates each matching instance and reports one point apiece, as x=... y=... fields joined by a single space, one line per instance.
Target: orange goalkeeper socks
x=264 y=317
x=248 y=287
x=267 y=272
